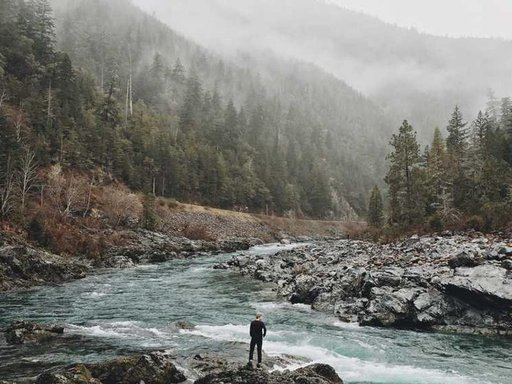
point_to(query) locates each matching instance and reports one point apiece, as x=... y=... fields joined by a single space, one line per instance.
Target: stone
x=23 y=332
x=151 y=368
x=417 y=283
x=312 y=374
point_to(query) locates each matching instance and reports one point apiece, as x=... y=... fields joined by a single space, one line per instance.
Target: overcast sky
x=481 y=18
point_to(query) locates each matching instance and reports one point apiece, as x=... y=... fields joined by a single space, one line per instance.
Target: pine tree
x=404 y=178
x=436 y=168
x=375 y=209
x=456 y=142
x=457 y=149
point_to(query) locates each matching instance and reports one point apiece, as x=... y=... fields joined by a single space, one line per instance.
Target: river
x=127 y=311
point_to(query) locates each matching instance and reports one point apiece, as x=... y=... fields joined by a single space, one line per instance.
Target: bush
x=435 y=223
x=475 y=222
x=149 y=218
x=120 y=206
x=197 y=232
x=36 y=231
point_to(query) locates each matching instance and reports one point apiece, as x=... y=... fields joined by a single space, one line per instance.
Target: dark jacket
x=258 y=330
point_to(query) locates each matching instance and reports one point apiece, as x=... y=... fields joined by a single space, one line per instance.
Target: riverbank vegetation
x=462 y=182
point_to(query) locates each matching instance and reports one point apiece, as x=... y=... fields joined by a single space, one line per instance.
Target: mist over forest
x=411 y=75
x=276 y=107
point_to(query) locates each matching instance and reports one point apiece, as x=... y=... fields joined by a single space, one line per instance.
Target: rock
x=76 y=375
x=464 y=259
x=485 y=286
x=313 y=374
x=185 y=325
x=506 y=250
x=22 y=332
x=24 y=266
x=507 y=264
x=151 y=368
x=417 y=283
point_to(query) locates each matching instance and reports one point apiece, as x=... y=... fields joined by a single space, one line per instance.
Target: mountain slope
x=311 y=141
x=413 y=75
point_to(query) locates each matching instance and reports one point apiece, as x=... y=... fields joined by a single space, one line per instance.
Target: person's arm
x=264 y=330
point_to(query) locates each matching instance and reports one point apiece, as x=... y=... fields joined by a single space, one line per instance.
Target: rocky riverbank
x=159 y=367
x=459 y=283
x=22 y=265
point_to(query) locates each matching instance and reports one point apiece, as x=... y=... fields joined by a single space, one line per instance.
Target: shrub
x=435 y=223
x=475 y=222
x=149 y=218
x=120 y=206
x=36 y=231
x=197 y=232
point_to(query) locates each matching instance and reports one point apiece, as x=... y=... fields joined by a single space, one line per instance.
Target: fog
x=403 y=69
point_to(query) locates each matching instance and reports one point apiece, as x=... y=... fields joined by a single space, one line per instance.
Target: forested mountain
x=112 y=88
x=412 y=75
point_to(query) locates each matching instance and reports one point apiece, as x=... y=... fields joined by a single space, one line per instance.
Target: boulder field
x=456 y=283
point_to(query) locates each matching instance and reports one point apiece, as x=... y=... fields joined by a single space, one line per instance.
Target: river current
x=117 y=312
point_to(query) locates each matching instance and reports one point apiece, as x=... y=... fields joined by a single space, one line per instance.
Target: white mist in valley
x=412 y=75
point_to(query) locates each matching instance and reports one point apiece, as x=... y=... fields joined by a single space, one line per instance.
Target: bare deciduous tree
x=6 y=188
x=27 y=175
x=3 y=96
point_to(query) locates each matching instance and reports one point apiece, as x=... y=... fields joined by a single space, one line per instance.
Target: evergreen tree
x=436 y=169
x=404 y=178
x=375 y=209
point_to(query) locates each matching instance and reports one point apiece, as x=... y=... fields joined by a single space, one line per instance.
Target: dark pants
x=256 y=342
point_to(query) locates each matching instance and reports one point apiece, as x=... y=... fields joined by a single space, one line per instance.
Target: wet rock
x=23 y=332
x=152 y=368
x=184 y=325
x=313 y=374
x=76 y=375
x=23 y=266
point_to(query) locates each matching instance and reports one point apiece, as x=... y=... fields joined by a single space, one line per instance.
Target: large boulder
x=75 y=375
x=24 y=266
x=313 y=374
x=22 y=332
x=151 y=368
x=484 y=286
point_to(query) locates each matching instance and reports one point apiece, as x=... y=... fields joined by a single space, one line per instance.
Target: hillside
x=305 y=140
x=412 y=75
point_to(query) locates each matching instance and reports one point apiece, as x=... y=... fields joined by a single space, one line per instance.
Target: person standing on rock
x=257 y=331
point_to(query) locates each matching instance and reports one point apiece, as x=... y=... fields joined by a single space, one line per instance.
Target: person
x=257 y=331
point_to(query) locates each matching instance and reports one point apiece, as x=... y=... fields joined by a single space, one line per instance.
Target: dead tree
x=27 y=175
x=7 y=188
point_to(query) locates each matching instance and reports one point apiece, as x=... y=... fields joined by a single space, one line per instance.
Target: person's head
x=259 y=316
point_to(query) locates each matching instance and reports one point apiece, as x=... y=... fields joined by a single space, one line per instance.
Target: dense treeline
x=463 y=181
x=124 y=94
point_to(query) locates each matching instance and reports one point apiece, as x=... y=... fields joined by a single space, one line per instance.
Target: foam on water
x=351 y=326
x=354 y=369
x=94 y=295
x=122 y=330
x=350 y=368
x=272 y=306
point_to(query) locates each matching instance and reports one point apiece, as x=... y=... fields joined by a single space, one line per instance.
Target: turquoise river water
x=117 y=312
